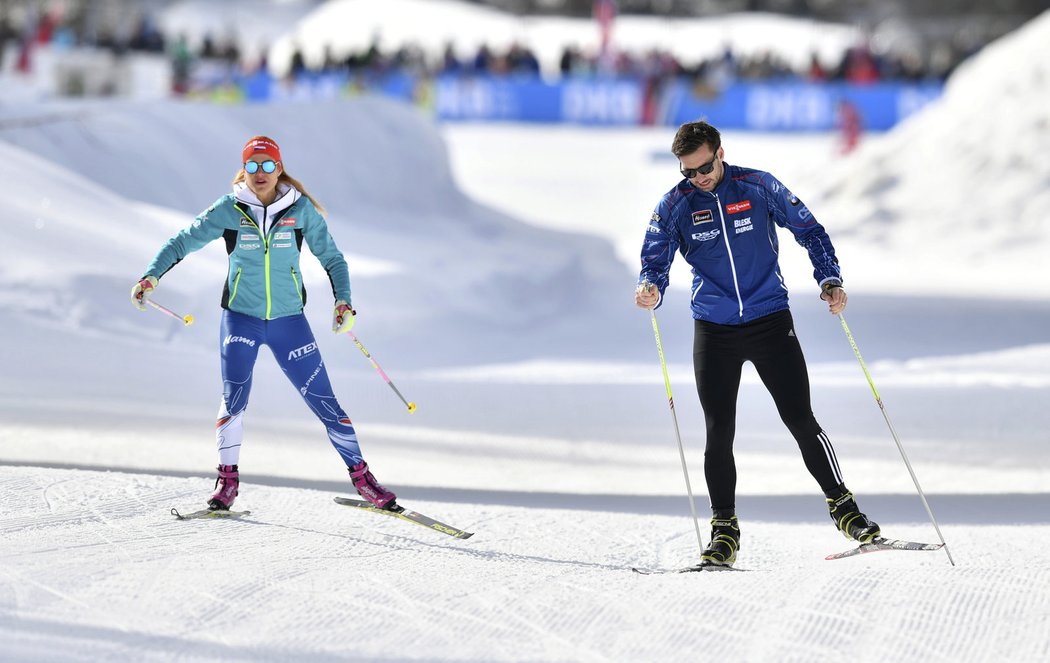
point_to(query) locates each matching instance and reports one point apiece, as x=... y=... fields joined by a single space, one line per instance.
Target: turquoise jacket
x=263 y=243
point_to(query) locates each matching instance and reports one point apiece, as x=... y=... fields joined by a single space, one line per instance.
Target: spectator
x=860 y=66
x=521 y=60
x=450 y=64
x=816 y=72
x=850 y=125
x=483 y=60
x=181 y=65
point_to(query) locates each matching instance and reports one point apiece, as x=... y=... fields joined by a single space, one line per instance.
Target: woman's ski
x=208 y=513
x=404 y=514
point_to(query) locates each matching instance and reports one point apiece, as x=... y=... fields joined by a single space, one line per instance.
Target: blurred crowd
x=860 y=64
x=857 y=65
x=33 y=27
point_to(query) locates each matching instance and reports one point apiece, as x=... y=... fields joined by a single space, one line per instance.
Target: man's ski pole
x=900 y=447
x=185 y=319
x=411 y=406
x=678 y=434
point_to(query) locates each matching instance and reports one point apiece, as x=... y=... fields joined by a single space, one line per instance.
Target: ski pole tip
x=411 y=408
x=187 y=319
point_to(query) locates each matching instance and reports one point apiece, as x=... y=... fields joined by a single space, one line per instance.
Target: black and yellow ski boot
x=853 y=524
x=725 y=541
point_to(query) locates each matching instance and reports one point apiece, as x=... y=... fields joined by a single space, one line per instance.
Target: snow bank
x=380 y=168
x=955 y=198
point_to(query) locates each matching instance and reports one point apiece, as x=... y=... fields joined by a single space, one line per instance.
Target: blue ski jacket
x=263 y=243
x=728 y=237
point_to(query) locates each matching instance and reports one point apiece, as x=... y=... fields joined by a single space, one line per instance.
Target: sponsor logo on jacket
x=703 y=216
x=742 y=206
x=285 y=235
x=709 y=235
x=249 y=247
x=743 y=225
x=286 y=222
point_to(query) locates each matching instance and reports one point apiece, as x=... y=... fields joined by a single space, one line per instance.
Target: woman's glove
x=342 y=318
x=141 y=291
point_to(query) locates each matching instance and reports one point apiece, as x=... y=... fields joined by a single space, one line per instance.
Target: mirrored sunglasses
x=268 y=166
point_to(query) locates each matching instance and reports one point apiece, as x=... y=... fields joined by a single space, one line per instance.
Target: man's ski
x=208 y=513
x=404 y=514
x=879 y=543
x=699 y=568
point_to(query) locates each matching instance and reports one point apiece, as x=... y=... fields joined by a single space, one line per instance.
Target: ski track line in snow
x=59 y=498
x=116 y=514
x=955 y=507
x=534 y=585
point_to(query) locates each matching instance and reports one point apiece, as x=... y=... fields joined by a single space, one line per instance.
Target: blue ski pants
x=293 y=345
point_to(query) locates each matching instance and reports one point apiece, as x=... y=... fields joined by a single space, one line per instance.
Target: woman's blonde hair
x=285 y=178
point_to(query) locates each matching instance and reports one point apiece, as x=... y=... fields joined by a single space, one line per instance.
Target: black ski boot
x=725 y=541
x=853 y=524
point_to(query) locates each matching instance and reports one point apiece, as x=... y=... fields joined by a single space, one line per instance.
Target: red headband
x=261 y=145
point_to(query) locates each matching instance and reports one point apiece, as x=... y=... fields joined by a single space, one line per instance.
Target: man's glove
x=831 y=291
x=141 y=291
x=828 y=286
x=342 y=317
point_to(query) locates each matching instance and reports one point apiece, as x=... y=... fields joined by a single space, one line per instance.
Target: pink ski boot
x=225 y=488
x=368 y=488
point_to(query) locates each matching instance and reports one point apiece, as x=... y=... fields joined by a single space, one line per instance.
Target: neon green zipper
x=298 y=290
x=236 y=281
x=266 y=259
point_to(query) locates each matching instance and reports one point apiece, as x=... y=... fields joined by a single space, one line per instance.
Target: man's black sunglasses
x=690 y=173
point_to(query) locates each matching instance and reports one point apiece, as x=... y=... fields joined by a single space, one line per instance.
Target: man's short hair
x=691 y=135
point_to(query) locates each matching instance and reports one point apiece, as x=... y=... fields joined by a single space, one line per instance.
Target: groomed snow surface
x=493 y=272
x=94 y=570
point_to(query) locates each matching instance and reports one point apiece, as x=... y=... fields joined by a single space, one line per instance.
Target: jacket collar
x=719 y=188
x=286 y=196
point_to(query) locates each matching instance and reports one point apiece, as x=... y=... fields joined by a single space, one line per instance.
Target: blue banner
x=796 y=106
x=774 y=106
x=532 y=100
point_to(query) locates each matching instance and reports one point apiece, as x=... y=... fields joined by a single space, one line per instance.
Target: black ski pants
x=719 y=353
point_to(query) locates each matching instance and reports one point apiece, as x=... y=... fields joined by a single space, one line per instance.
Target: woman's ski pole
x=678 y=435
x=900 y=447
x=186 y=319
x=411 y=406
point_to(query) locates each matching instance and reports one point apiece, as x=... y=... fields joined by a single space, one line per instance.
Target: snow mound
x=972 y=164
x=122 y=177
